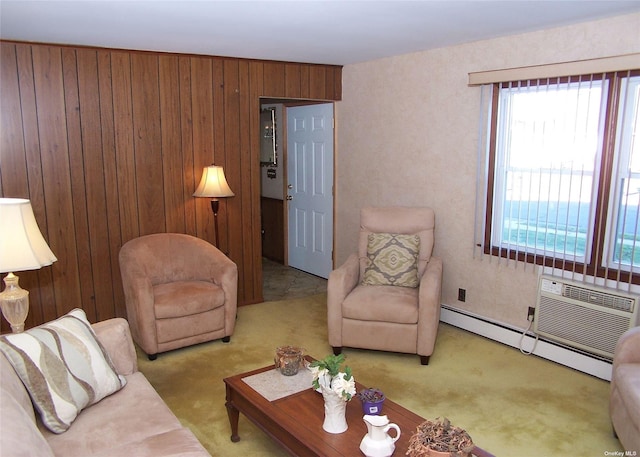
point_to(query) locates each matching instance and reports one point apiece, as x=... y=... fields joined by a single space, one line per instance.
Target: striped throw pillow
x=392 y=259
x=63 y=366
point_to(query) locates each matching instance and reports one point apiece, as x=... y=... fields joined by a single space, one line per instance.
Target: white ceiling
x=314 y=31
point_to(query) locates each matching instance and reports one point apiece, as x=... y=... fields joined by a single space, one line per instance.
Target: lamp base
x=215 y=206
x=14 y=302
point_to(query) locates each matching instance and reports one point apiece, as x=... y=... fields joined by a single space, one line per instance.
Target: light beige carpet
x=511 y=404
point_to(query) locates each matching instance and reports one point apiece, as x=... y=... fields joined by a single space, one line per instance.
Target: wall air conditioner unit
x=583 y=316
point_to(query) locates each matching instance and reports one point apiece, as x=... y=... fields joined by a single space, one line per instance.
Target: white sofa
x=134 y=421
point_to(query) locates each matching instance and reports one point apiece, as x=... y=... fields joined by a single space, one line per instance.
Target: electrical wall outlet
x=530 y=313
x=462 y=294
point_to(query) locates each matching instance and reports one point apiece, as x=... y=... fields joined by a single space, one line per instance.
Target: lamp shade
x=22 y=246
x=213 y=183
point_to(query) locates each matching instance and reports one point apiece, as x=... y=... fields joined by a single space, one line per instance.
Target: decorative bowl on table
x=289 y=359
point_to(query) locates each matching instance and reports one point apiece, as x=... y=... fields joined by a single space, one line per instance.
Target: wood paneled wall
x=109 y=145
x=272 y=210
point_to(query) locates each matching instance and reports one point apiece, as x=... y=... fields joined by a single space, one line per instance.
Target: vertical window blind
x=559 y=176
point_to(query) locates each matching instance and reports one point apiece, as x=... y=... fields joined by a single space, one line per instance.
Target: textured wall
x=407 y=135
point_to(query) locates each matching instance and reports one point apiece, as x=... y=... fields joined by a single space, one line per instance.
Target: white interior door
x=310 y=188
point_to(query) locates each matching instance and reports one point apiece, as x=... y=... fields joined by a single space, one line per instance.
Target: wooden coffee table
x=295 y=421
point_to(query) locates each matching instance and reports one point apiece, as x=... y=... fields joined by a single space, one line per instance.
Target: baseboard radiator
x=583 y=316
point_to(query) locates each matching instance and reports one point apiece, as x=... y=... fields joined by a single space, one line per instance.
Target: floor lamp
x=22 y=247
x=214 y=185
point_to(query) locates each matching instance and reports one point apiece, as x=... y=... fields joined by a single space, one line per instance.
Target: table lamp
x=22 y=247
x=214 y=185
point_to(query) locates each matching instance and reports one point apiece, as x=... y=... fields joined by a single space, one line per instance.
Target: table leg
x=234 y=415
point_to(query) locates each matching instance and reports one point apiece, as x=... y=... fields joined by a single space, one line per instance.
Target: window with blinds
x=563 y=174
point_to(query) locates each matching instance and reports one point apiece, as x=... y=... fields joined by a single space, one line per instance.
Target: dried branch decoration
x=441 y=436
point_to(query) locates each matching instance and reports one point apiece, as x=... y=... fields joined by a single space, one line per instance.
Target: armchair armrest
x=224 y=273
x=431 y=286
x=628 y=348
x=115 y=337
x=341 y=282
x=429 y=301
x=138 y=292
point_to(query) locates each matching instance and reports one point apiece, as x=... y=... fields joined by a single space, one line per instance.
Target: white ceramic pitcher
x=377 y=442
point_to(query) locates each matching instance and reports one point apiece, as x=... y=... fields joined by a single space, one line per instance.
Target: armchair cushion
x=203 y=296
x=63 y=367
x=382 y=304
x=392 y=260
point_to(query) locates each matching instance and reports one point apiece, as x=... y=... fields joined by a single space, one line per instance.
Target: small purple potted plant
x=372 y=400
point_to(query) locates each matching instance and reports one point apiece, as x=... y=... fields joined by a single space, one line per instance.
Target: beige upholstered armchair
x=179 y=290
x=387 y=296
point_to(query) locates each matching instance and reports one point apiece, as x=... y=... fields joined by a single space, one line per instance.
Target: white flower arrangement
x=327 y=376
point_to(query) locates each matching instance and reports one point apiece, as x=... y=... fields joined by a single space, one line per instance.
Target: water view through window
x=549 y=165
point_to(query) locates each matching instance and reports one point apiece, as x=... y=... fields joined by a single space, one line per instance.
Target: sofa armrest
x=341 y=282
x=115 y=337
x=628 y=348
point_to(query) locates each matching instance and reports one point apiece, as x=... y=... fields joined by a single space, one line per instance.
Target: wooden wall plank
x=305 y=88
x=110 y=145
x=256 y=88
x=220 y=156
x=124 y=144
x=337 y=84
x=13 y=172
x=191 y=175
x=95 y=188
x=251 y=182
x=329 y=83
x=234 y=172
x=54 y=153
x=109 y=159
x=203 y=138
x=44 y=278
x=317 y=82
x=272 y=211
x=292 y=87
x=12 y=151
x=147 y=143
x=274 y=79
x=77 y=171
x=174 y=201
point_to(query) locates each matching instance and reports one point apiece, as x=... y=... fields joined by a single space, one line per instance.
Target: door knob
x=290 y=186
x=289 y=197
